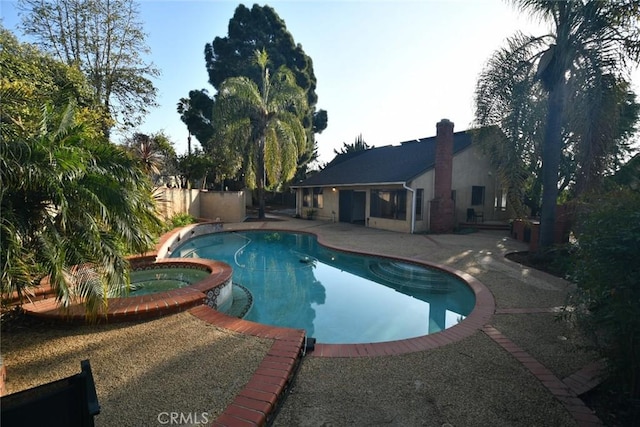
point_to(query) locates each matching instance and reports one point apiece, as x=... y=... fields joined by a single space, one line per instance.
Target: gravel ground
x=142 y=371
x=553 y=342
x=469 y=383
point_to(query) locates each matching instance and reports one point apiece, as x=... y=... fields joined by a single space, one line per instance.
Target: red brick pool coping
x=475 y=321
x=142 y=307
x=256 y=404
x=482 y=312
x=160 y=304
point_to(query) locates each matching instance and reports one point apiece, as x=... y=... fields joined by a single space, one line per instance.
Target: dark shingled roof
x=389 y=164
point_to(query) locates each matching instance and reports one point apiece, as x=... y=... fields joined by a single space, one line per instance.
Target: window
x=477 y=196
x=318 y=201
x=501 y=200
x=419 y=198
x=312 y=197
x=306 y=198
x=389 y=204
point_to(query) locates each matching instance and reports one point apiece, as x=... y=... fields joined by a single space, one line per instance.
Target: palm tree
x=144 y=148
x=591 y=43
x=263 y=124
x=69 y=202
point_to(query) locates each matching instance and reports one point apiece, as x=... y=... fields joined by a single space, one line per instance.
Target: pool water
x=337 y=297
x=152 y=280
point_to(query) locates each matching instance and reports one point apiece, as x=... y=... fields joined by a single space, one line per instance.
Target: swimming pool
x=337 y=297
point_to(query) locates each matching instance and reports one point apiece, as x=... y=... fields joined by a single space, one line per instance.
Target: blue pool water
x=337 y=297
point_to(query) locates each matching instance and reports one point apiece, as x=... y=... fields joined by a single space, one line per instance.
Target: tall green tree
x=262 y=122
x=69 y=199
x=358 y=145
x=597 y=132
x=195 y=168
x=106 y=41
x=27 y=73
x=261 y=28
x=196 y=112
x=258 y=28
x=588 y=51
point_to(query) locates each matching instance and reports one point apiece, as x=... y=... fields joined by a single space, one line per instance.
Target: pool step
x=242 y=302
x=410 y=276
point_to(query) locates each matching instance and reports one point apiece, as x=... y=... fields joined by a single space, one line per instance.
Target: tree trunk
x=261 y=214
x=551 y=154
x=261 y=181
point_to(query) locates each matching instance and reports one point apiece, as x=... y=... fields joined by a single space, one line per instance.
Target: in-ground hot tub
x=212 y=286
x=157 y=278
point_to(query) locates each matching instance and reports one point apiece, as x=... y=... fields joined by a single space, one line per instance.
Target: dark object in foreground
x=68 y=402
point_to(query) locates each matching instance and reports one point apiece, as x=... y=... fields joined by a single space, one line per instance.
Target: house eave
x=367 y=184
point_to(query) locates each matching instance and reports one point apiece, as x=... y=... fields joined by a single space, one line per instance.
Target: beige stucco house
x=423 y=185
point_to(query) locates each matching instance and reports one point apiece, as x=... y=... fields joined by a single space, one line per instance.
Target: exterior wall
x=426 y=182
x=402 y=226
x=390 y=224
x=175 y=201
x=299 y=210
x=471 y=168
x=329 y=209
x=228 y=206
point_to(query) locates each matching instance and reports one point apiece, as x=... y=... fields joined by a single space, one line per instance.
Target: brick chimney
x=442 y=209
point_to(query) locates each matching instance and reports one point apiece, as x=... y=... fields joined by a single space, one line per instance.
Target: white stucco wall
x=228 y=206
x=472 y=168
x=173 y=201
x=424 y=181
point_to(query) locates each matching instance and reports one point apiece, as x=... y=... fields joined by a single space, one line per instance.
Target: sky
x=388 y=70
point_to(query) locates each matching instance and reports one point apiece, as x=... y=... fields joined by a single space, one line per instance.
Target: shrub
x=607 y=272
x=180 y=220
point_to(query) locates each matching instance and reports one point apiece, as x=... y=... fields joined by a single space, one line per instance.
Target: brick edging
x=528 y=310
x=257 y=402
x=580 y=412
x=586 y=378
x=3 y=379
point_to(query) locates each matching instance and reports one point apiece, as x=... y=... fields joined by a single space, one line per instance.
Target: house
x=432 y=184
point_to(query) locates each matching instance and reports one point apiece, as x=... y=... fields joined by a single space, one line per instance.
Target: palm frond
x=69 y=202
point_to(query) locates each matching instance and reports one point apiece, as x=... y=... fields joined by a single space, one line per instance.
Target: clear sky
x=389 y=70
